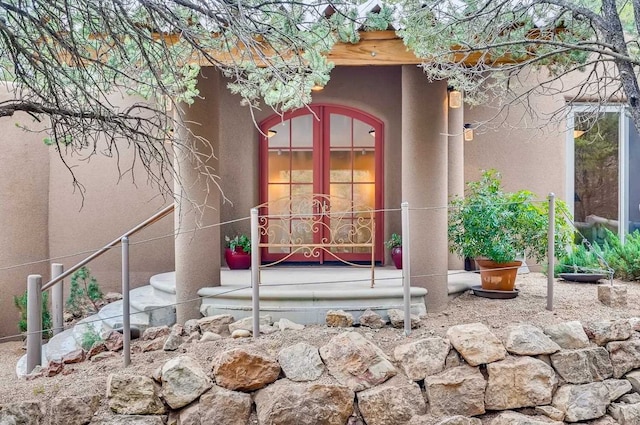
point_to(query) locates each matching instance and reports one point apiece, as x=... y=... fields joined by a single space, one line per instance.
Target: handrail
x=157 y=216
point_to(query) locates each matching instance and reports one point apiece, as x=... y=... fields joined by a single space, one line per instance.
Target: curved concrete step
x=111 y=316
x=164 y=286
x=161 y=311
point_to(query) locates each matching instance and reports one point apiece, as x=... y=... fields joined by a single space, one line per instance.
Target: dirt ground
x=573 y=301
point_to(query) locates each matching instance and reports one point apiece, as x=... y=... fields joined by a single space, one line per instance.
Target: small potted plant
x=495 y=227
x=238 y=252
x=395 y=245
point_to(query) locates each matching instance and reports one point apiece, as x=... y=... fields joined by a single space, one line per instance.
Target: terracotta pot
x=237 y=259
x=396 y=256
x=498 y=276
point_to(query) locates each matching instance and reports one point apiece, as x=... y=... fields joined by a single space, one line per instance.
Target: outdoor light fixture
x=468 y=133
x=271 y=133
x=372 y=133
x=578 y=133
x=317 y=87
x=455 y=98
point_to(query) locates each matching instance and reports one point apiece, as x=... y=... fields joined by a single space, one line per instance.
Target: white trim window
x=603 y=170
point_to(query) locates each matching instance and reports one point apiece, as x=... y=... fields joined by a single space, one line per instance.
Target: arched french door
x=324 y=149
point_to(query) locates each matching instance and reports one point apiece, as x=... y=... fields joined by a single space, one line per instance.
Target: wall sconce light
x=578 y=133
x=271 y=133
x=372 y=133
x=317 y=87
x=468 y=133
x=455 y=98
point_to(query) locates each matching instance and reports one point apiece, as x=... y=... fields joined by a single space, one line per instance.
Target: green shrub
x=20 y=302
x=582 y=259
x=89 y=337
x=84 y=292
x=624 y=259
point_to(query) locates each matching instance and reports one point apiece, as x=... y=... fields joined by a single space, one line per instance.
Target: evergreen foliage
x=20 y=301
x=84 y=293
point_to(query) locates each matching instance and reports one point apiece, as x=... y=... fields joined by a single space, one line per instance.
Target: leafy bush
x=89 y=337
x=20 y=302
x=582 y=259
x=242 y=241
x=624 y=259
x=83 y=293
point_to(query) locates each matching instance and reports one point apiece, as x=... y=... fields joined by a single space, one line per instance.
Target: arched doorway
x=324 y=149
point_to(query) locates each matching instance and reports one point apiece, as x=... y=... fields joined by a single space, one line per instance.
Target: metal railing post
x=57 y=299
x=406 y=267
x=34 y=321
x=255 y=272
x=551 y=255
x=126 y=322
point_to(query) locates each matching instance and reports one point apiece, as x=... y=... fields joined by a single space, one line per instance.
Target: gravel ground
x=573 y=301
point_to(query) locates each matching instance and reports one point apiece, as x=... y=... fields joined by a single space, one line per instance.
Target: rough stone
x=528 y=340
x=191 y=326
x=632 y=398
x=105 y=355
x=22 y=413
x=625 y=414
x=582 y=402
x=155 y=332
x=519 y=382
x=241 y=369
x=292 y=403
x=73 y=410
x=114 y=341
x=286 y=324
x=635 y=323
x=633 y=378
x=301 y=362
x=111 y=297
x=611 y=330
x=583 y=365
x=195 y=337
x=371 y=319
x=189 y=415
x=614 y=296
x=456 y=391
x=550 y=412
x=393 y=403
x=178 y=330
x=247 y=323
x=222 y=406
x=453 y=360
x=339 y=319
x=96 y=348
x=75 y=356
x=625 y=356
x=460 y=420
x=396 y=317
x=153 y=345
x=514 y=418
x=422 y=358
x=129 y=420
x=476 y=344
x=55 y=367
x=218 y=324
x=356 y=362
x=173 y=342
x=240 y=333
x=183 y=381
x=134 y=395
x=568 y=335
x=617 y=388
x=210 y=336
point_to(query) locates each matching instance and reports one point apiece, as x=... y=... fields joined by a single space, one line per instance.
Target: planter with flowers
x=395 y=245
x=238 y=252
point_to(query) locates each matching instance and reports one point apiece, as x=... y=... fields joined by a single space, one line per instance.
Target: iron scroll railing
x=35 y=288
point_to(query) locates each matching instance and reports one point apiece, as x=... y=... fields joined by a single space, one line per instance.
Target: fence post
x=126 y=319
x=551 y=255
x=255 y=272
x=406 y=267
x=34 y=321
x=57 y=299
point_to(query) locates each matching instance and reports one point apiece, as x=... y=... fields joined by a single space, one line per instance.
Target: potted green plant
x=395 y=245
x=238 y=252
x=495 y=227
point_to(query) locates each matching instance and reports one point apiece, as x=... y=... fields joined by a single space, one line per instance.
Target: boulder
x=247 y=323
x=356 y=362
x=582 y=402
x=26 y=412
x=292 y=403
x=422 y=358
x=134 y=395
x=635 y=323
x=456 y=391
x=301 y=362
x=528 y=340
x=633 y=378
x=128 y=420
x=513 y=418
x=568 y=335
x=155 y=332
x=396 y=317
x=222 y=406
x=617 y=388
x=476 y=344
x=73 y=410
x=153 y=345
x=240 y=333
x=632 y=398
x=191 y=326
x=218 y=324
x=453 y=360
x=611 y=330
x=614 y=296
x=75 y=356
x=371 y=319
x=460 y=420
x=393 y=403
x=583 y=365
x=519 y=382
x=286 y=324
x=172 y=342
x=339 y=319
x=550 y=412
x=244 y=370
x=183 y=380
x=625 y=356
x=209 y=336
x=189 y=415
x=178 y=330
x=625 y=414
x=97 y=348
x=114 y=341
x=105 y=355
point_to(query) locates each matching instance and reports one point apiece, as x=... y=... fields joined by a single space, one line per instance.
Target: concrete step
x=164 y=286
x=60 y=345
x=160 y=310
x=111 y=316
